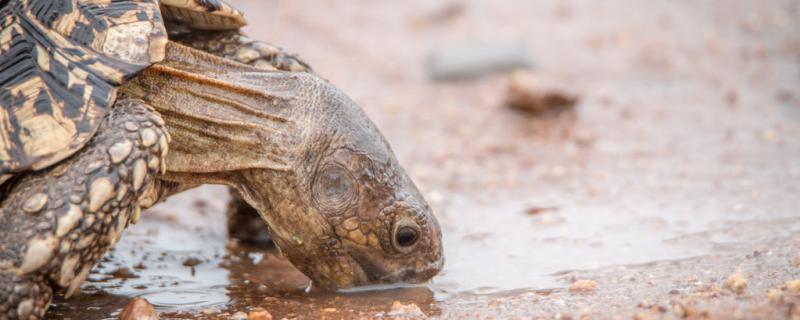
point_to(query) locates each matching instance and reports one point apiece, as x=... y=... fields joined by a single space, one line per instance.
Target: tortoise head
x=345 y=212
x=305 y=156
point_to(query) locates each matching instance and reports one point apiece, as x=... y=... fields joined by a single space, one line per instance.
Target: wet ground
x=678 y=168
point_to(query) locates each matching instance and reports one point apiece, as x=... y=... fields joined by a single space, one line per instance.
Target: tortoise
x=111 y=106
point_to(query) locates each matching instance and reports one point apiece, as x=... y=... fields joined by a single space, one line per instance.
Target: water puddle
x=179 y=258
x=504 y=246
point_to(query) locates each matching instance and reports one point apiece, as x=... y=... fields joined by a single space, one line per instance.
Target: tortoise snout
x=415 y=255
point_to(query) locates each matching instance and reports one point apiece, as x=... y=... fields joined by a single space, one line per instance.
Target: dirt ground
x=671 y=190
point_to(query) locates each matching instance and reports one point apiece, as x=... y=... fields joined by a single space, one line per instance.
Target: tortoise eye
x=406 y=235
x=333 y=188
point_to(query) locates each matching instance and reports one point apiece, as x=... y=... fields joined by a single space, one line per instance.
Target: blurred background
x=600 y=159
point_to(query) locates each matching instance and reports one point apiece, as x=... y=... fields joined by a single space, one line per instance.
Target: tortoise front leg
x=57 y=223
x=236 y=46
x=244 y=222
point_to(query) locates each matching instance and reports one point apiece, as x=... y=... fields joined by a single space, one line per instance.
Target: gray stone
x=475 y=60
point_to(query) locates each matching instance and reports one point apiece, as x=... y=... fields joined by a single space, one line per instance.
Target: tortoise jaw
x=360 y=277
x=349 y=274
x=379 y=269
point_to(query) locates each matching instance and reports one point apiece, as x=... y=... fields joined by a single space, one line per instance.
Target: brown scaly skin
x=243 y=221
x=305 y=157
x=55 y=224
x=236 y=46
x=295 y=148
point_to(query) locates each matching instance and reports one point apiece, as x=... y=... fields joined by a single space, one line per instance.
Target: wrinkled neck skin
x=229 y=122
x=223 y=117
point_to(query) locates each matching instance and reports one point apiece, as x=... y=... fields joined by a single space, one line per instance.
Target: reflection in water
x=155 y=251
x=264 y=279
x=507 y=253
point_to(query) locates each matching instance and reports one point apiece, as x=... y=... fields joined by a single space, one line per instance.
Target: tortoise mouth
x=380 y=270
x=337 y=272
x=349 y=277
x=361 y=276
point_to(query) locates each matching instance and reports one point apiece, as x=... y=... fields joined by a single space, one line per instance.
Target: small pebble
x=191 y=262
x=238 y=316
x=442 y=14
x=584 y=137
x=533 y=211
x=774 y=295
x=123 y=273
x=259 y=314
x=535 y=96
x=550 y=219
x=138 y=309
x=736 y=283
x=769 y=135
x=793 y=286
x=557 y=171
x=583 y=286
x=410 y=310
x=679 y=310
x=646 y=316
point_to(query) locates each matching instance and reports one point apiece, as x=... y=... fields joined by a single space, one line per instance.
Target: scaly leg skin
x=236 y=46
x=57 y=223
x=244 y=222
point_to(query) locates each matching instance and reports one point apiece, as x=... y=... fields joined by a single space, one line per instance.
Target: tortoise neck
x=223 y=117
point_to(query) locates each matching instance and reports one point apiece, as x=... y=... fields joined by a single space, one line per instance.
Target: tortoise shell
x=202 y=14
x=61 y=62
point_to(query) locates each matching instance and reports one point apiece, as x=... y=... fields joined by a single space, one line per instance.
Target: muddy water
x=179 y=259
x=679 y=166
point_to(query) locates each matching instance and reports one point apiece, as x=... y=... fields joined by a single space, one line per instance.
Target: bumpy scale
x=57 y=223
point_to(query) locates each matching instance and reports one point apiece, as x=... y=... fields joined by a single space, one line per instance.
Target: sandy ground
x=678 y=169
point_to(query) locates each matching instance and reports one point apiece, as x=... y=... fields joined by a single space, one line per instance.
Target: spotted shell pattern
x=60 y=64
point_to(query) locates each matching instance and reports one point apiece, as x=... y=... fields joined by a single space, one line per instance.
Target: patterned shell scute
x=60 y=64
x=202 y=14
